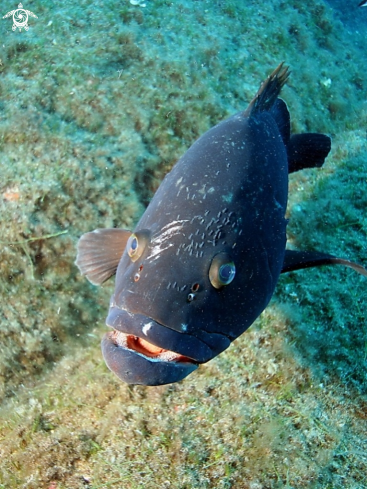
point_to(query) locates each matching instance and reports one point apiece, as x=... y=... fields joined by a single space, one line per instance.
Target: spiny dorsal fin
x=269 y=91
x=280 y=114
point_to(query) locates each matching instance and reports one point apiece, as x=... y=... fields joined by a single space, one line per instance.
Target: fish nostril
x=136 y=277
x=190 y=297
x=195 y=287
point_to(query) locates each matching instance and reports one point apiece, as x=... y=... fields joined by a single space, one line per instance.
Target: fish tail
x=269 y=91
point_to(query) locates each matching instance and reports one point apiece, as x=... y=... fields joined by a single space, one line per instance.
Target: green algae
x=97 y=102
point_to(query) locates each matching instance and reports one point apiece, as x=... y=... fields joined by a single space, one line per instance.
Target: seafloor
x=97 y=102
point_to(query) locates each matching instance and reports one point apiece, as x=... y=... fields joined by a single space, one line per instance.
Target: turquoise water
x=97 y=102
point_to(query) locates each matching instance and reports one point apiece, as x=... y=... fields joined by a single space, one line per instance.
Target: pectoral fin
x=307 y=150
x=99 y=253
x=296 y=260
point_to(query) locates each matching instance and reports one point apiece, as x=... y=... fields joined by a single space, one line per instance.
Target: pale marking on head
x=202 y=190
x=179 y=189
x=227 y=198
x=146 y=328
x=167 y=232
x=179 y=181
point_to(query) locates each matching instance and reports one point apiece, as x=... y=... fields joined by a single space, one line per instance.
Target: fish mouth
x=140 y=350
x=136 y=361
x=143 y=347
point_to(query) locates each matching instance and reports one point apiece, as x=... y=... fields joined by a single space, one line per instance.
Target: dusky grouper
x=205 y=257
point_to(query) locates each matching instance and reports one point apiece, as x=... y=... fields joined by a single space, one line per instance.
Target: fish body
x=205 y=257
x=363 y=3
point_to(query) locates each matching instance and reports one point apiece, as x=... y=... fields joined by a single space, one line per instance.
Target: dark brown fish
x=205 y=257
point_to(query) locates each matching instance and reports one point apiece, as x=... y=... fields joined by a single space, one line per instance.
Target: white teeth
x=120 y=339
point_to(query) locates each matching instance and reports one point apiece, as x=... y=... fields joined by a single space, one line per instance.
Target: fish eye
x=226 y=273
x=222 y=270
x=136 y=244
x=133 y=245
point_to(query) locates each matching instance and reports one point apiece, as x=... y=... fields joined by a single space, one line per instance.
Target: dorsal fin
x=269 y=91
x=280 y=114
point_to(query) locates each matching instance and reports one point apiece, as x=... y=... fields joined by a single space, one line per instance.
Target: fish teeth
x=145 y=349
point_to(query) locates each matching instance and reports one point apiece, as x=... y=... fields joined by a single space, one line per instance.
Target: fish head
x=180 y=299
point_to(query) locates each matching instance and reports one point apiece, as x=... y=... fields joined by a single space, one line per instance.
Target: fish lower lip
x=143 y=347
x=139 y=362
